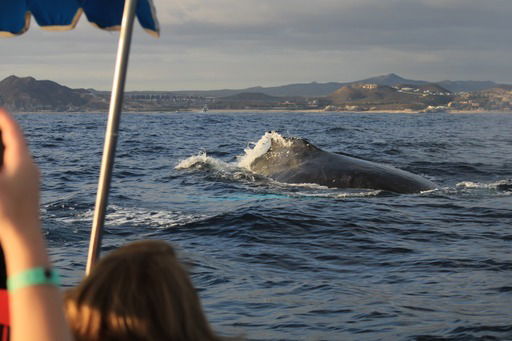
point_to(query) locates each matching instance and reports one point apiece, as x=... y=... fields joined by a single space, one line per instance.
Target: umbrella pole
x=107 y=162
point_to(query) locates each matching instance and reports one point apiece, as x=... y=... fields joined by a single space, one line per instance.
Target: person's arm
x=36 y=311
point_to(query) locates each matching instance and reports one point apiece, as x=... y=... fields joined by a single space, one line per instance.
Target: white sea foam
x=319 y=191
x=260 y=148
x=478 y=185
x=305 y=185
x=251 y=153
x=201 y=160
x=470 y=184
x=340 y=195
x=119 y=216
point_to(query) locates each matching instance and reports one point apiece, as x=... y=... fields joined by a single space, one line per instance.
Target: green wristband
x=31 y=277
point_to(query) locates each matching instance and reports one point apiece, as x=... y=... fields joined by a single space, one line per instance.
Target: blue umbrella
x=61 y=15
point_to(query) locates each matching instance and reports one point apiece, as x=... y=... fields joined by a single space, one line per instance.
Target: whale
x=295 y=160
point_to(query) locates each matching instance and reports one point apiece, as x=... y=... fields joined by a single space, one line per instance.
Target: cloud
x=233 y=43
x=338 y=24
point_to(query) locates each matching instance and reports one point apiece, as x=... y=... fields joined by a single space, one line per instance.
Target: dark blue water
x=274 y=261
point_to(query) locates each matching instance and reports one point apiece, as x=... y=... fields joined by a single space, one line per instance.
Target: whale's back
x=299 y=161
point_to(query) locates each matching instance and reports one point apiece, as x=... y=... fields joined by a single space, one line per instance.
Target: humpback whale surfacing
x=295 y=160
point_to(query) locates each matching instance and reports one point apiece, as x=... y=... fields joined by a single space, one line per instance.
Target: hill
x=29 y=94
x=250 y=96
x=386 y=92
x=315 y=89
x=390 y=79
x=466 y=86
x=498 y=98
x=432 y=88
x=312 y=89
x=247 y=100
x=369 y=95
x=374 y=97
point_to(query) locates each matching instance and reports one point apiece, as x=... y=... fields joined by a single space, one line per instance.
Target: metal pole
x=109 y=149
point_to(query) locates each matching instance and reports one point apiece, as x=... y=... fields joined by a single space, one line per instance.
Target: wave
x=202 y=160
x=240 y=169
x=504 y=186
x=341 y=194
x=135 y=216
x=251 y=153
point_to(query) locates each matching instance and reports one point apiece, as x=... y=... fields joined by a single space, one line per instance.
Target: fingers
x=12 y=138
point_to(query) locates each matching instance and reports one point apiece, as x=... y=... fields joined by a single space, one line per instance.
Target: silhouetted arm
x=36 y=311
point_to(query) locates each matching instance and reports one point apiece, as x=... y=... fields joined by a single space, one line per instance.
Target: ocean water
x=273 y=261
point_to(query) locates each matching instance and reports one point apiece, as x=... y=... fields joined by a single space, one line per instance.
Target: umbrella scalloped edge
x=4 y=32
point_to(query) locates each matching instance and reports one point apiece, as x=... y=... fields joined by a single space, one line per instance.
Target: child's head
x=137 y=292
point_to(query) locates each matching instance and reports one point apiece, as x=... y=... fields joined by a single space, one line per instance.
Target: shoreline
x=228 y=111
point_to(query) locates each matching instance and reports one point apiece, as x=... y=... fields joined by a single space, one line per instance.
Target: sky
x=218 y=44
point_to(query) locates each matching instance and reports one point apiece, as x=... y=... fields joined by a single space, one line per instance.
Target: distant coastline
x=270 y=111
x=383 y=94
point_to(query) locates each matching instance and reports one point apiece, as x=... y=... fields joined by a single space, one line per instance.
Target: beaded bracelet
x=34 y=276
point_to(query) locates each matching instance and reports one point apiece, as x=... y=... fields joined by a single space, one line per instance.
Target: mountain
x=246 y=100
x=453 y=86
x=431 y=87
x=370 y=96
x=29 y=94
x=315 y=89
x=385 y=91
x=504 y=87
x=359 y=94
x=390 y=79
x=466 y=86
x=250 y=96
x=312 y=89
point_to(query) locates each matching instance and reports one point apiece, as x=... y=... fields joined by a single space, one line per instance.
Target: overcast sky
x=213 y=44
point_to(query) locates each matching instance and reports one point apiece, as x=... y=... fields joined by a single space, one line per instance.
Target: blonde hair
x=137 y=292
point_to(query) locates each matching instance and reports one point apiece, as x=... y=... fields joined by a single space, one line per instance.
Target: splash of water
x=503 y=185
x=260 y=148
x=251 y=153
x=201 y=160
x=134 y=216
